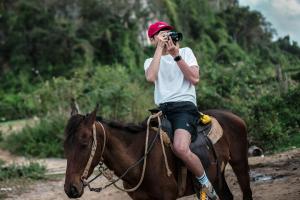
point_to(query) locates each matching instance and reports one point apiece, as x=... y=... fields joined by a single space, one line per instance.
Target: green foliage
x=230 y=53
x=1 y=136
x=195 y=17
x=111 y=86
x=171 y=10
x=119 y=98
x=13 y=91
x=116 y=93
x=12 y=104
x=33 y=171
x=2 y=162
x=248 y=28
x=53 y=51
x=285 y=44
x=205 y=50
x=276 y=119
x=43 y=140
x=49 y=38
x=31 y=37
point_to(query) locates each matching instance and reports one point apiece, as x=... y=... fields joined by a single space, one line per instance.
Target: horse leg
x=164 y=194
x=224 y=191
x=139 y=195
x=238 y=149
x=144 y=196
x=241 y=170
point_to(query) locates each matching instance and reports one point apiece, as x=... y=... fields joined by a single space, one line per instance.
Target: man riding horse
x=175 y=72
x=92 y=141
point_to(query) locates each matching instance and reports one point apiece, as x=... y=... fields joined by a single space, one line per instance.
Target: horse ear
x=74 y=107
x=91 y=118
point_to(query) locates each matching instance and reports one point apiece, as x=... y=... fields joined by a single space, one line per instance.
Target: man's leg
x=181 y=148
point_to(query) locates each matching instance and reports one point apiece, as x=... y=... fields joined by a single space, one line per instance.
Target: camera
x=175 y=36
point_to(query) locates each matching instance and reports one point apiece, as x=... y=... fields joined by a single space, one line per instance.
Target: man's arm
x=152 y=71
x=191 y=73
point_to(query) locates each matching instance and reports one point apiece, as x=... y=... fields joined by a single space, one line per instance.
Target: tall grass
x=43 y=140
x=33 y=171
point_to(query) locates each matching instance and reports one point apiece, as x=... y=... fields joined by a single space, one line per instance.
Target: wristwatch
x=177 y=58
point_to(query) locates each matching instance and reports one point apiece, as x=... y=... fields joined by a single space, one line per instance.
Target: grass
x=17 y=122
x=294 y=142
x=13 y=122
x=15 y=187
x=33 y=171
x=16 y=125
x=42 y=140
x=17 y=179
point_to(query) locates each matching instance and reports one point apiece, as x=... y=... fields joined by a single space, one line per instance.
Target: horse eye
x=84 y=140
x=85 y=144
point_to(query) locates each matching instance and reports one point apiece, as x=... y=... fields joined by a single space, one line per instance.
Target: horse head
x=77 y=148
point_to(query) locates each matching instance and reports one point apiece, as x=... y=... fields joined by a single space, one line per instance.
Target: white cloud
x=286 y=7
x=284 y=15
x=251 y=2
x=254 y=2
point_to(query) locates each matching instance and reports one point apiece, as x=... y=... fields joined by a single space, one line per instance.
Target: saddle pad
x=214 y=134
x=216 y=131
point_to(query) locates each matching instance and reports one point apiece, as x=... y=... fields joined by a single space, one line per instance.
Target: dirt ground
x=272 y=177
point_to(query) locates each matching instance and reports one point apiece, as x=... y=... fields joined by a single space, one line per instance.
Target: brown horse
x=124 y=146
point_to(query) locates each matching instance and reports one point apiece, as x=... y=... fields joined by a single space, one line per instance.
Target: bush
x=43 y=140
x=64 y=51
x=33 y=171
x=275 y=119
x=111 y=86
x=120 y=98
x=230 y=53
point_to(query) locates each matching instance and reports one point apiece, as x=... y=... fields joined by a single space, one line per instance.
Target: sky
x=284 y=15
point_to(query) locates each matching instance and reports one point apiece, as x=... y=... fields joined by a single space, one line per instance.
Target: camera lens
x=175 y=36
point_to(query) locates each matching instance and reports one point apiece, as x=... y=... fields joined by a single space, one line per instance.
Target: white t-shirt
x=171 y=85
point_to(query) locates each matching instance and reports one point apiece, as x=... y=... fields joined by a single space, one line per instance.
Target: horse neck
x=122 y=150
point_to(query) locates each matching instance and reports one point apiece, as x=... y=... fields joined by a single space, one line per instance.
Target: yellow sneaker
x=207 y=193
x=203 y=195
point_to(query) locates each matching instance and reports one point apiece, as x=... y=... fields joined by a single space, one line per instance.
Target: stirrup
x=207 y=194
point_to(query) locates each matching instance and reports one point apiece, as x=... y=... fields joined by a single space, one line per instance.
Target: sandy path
x=282 y=170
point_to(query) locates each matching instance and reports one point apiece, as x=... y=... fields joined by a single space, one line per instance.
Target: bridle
x=94 y=148
x=102 y=169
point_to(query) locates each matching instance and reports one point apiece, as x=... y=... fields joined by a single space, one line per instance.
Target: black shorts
x=182 y=115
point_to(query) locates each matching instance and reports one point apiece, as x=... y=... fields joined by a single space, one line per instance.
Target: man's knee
x=181 y=143
x=180 y=149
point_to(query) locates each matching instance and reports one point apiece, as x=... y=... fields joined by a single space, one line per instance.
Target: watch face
x=177 y=58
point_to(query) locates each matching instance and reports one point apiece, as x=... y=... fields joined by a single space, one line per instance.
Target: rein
x=102 y=169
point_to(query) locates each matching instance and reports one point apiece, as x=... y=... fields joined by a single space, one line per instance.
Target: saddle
x=212 y=130
x=207 y=135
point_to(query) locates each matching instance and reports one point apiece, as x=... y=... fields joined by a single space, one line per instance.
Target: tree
x=248 y=28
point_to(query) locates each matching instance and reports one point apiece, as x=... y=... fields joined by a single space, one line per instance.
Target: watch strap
x=177 y=58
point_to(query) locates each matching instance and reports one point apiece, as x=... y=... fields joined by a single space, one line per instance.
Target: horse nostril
x=74 y=190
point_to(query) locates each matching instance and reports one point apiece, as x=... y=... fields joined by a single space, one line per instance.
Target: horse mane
x=76 y=120
x=127 y=127
x=72 y=126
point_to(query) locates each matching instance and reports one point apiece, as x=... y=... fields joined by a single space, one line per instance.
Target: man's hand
x=172 y=48
x=162 y=38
